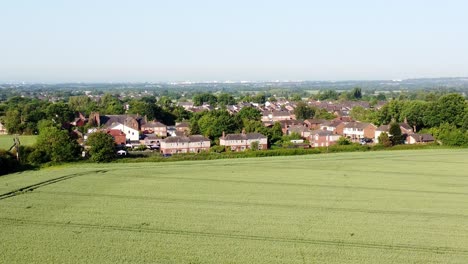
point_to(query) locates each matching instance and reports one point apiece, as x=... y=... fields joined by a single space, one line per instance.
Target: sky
x=239 y=40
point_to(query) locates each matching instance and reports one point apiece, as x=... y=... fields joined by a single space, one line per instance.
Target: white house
x=3 y=130
x=131 y=133
x=185 y=144
x=243 y=141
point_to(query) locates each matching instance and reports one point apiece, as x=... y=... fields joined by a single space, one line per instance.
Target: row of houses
x=353 y=130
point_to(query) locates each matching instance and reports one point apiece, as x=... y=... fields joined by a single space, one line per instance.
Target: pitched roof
x=108 y=120
x=154 y=124
x=185 y=139
x=359 y=125
x=321 y=132
x=422 y=137
x=246 y=136
x=384 y=128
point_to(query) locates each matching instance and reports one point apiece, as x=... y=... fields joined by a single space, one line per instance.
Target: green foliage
x=59 y=113
x=364 y=115
x=254 y=146
x=384 y=140
x=200 y=99
x=343 y=141
x=323 y=114
x=102 y=147
x=56 y=145
x=226 y=99
x=327 y=95
x=249 y=113
x=303 y=111
x=450 y=135
x=212 y=124
x=396 y=135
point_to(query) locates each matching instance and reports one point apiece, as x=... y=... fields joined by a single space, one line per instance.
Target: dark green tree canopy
x=102 y=147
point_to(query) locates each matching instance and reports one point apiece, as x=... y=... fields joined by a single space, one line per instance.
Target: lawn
x=6 y=141
x=373 y=207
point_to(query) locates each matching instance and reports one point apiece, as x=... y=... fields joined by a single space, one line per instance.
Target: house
x=152 y=141
x=119 y=136
x=132 y=135
x=323 y=138
x=3 y=130
x=404 y=127
x=303 y=131
x=358 y=130
x=335 y=126
x=243 y=141
x=132 y=121
x=79 y=121
x=155 y=127
x=184 y=144
x=277 y=116
x=313 y=123
x=419 y=138
x=183 y=127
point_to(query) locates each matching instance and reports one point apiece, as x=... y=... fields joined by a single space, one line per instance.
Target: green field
x=373 y=207
x=6 y=141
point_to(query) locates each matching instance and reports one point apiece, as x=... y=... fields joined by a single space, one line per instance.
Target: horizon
x=155 y=41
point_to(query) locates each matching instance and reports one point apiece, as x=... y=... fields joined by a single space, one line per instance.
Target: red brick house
x=119 y=137
x=323 y=138
x=184 y=144
x=243 y=141
x=156 y=128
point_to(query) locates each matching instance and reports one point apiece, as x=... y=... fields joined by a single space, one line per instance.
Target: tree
x=60 y=113
x=226 y=99
x=414 y=112
x=449 y=108
x=395 y=132
x=212 y=124
x=303 y=111
x=102 y=147
x=276 y=133
x=342 y=141
x=384 y=140
x=56 y=145
x=356 y=93
x=200 y=99
x=249 y=113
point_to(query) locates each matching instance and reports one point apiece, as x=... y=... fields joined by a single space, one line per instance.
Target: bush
x=8 y=162
x=102 y=147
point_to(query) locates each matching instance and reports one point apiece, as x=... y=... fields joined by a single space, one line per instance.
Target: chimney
x=243 y=131
x=406 y=120
x=224 y=134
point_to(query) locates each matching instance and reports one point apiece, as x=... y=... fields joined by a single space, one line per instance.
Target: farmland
x=6 y=141
x=373 y=207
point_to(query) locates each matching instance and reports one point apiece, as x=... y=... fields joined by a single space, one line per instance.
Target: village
x=132 y=131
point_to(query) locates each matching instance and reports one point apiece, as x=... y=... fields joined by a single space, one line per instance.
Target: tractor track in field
x=333 y=243
x=35 y=186
x=260 y=204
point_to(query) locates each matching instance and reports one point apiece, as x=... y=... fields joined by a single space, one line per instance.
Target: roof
x=184 y=139
x=115 y=132
x=332 y=123
x=385 y=128
x=406 y=126
x=359 y=125
x=183 y=124
x=298 y=128
x=108 y=120
x=422 y=137
x=154 y=124
x=246 y=136
x=321 y=132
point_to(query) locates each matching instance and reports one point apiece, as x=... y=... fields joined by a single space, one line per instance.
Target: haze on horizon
x=143 y=40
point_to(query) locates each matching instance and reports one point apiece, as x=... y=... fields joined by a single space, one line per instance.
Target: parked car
x=365 y=141
x=122 y=152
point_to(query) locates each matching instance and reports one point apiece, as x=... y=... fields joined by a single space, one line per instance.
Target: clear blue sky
x=176 y=40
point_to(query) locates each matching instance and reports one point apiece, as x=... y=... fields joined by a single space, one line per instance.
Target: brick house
x=313 y=123
x=155 y=127
x=119 y=137
x=303 y=131
x=183 y=127
x=404 y=127
x=335 y=126
x=243 y=141
x=184 y=144
x=323 y=138
x=419 y=138
x=358 y=130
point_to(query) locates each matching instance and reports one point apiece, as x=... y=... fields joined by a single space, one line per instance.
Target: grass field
x=6 y=141
x=373 y=207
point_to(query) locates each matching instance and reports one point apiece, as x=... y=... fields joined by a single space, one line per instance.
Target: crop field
x=372 y=207
x=6 y=141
